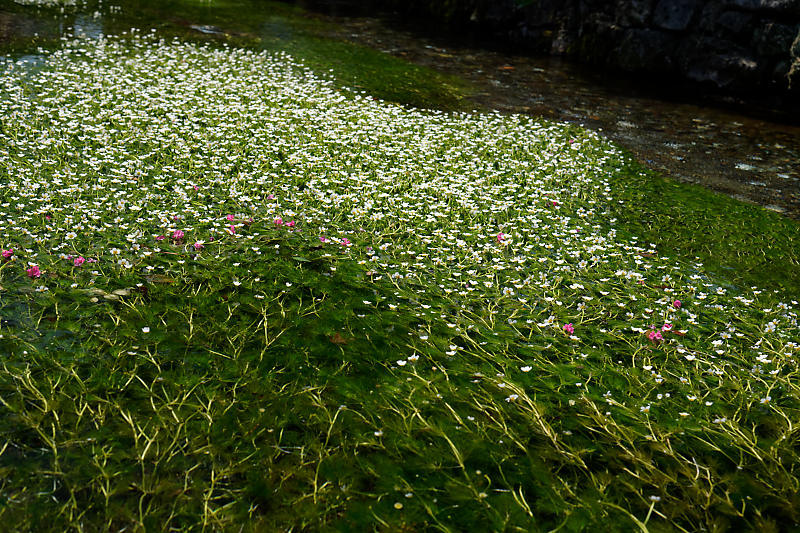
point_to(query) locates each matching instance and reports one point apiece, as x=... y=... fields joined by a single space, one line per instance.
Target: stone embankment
x=746 y=47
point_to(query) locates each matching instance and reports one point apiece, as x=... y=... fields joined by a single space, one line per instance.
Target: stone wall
x=737 y=46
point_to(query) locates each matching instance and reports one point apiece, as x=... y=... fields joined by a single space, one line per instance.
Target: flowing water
x=755 y=159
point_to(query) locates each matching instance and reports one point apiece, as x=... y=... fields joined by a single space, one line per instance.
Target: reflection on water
x=756 y=160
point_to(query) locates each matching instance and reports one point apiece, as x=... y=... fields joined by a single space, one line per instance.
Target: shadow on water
x=752 y=159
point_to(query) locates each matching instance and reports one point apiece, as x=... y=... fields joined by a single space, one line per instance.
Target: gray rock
x=792 y=6
x=772 y=39
x=725 y=71
x=745 y=4
x=634 y=12
x=735 y=21
x=674 y=14
x=542 y=13
x=647 y=50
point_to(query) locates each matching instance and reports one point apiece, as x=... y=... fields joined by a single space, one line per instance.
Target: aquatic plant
x=236 y=295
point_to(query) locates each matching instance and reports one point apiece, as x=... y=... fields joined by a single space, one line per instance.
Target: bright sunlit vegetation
x=235 y=296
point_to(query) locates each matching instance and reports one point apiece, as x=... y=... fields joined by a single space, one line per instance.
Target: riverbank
x=746 y=51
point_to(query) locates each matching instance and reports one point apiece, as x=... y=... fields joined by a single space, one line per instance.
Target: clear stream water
x=731 y=151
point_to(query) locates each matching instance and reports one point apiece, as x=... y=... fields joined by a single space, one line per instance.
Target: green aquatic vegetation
x=237 y=296
x=261 y=25
x=745 y=244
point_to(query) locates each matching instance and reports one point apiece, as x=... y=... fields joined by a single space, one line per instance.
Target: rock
x=793 y=76
x=725 y=71
x=773 y=39
x=674 y=14
x=792 y=6
x=648 y=50
x=735 y=21
x=542 y=13
x=634 y=12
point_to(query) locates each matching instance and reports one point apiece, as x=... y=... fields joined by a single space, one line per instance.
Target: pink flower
x=554 y=203
x=501 y=237
x=232 y=229
x=346 y=242
x=569 y=328
x=676 y=304
x=48 y=217
x=323 y=238
x=79 y=261
x=8 y=253
x=195 y=187
x=666 y=327
x=34 y=272
x=655 y=336
x=278 y=221
x=177 y=235
x=160 y=238
x=270 y=196
x=230 y=217
x=290 y=224
x=198 y=245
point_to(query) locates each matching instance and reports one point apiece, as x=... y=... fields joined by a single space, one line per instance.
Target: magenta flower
x=569 y=328
x=554 y=203
x=655 y=336
x=278 y=221
x=232 y=229
x=8 y=253
x=270 y=196
x=323 y=238
x=501 y=237
x=79 y=261
x=34 y=272
x=290 y=224
x=666 y=327
x=177 y=235
x=346 y=242
x=196 y=188
x=676 y=304
x=160 y=238
x=198 y=245
x=230 y=217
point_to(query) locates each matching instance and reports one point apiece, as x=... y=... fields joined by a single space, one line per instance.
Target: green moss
x=743 y=243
